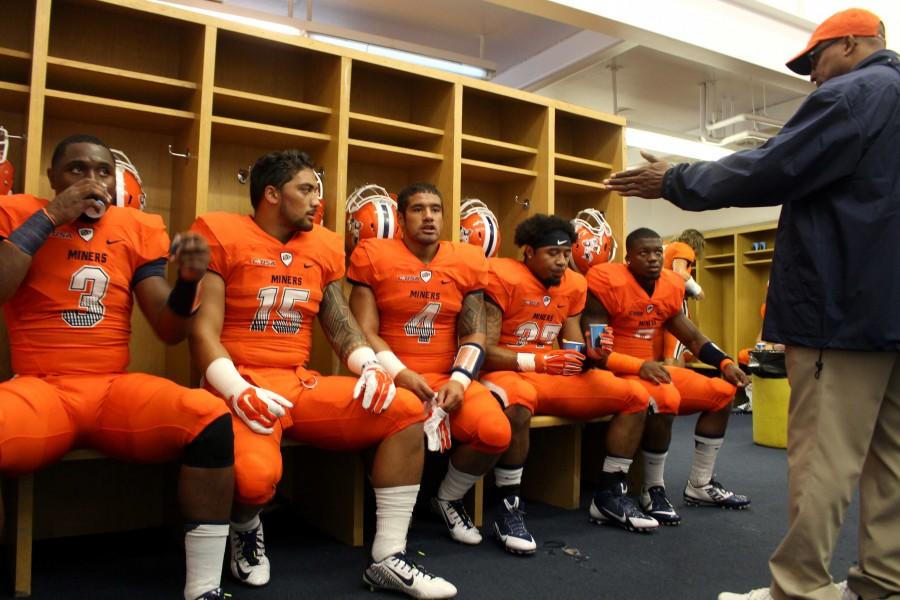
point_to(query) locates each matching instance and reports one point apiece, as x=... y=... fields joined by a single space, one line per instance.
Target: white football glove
x=375 y=387
x=437 y=430
x=259 y=408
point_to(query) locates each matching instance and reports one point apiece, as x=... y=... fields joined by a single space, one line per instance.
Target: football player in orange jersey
x=420 y=302
x=68 y=284
x=681 y=257
x=531 y=304
x=640 y=300
x=270 y=275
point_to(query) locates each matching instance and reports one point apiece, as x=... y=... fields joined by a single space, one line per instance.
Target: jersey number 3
x=93 y=283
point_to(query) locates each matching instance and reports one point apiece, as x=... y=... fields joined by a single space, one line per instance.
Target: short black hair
x=641 y=233
x=530 y=231
x=411 y=190
x=78 y=138
x=276 y=169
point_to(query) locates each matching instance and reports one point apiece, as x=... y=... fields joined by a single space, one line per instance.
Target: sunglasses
x=816 y=52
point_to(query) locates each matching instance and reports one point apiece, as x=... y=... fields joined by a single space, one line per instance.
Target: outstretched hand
x=643 y=182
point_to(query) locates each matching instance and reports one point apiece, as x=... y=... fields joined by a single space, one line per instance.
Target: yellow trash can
x=770 y=411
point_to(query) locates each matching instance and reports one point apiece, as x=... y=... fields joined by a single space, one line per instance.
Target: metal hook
x=4 y=133
x=524 y=202
x=243 y=175
x=185 y=156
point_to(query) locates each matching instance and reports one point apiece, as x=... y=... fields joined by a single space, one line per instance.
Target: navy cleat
x=714 y=494
x=509 y=527
x=613 y=505
x=656 y=504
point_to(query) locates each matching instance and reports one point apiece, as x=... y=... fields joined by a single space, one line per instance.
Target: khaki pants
x=843 y=427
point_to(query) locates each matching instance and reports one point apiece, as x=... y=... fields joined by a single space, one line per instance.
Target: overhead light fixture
x=411 y=57
x=668 y=144
x=259 y=23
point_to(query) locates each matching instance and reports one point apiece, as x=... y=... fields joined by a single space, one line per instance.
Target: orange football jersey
x=272 y=290
x=72 y=312
x=636 y=318
x=679 y=250
x=418 y=303
x=533 y=315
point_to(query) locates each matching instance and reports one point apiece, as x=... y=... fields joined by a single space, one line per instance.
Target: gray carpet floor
x=712 y=551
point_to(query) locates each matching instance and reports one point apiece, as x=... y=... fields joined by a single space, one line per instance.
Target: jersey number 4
x=422 y=324
x=289 y=318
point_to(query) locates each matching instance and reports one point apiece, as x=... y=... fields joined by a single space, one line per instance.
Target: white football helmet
x=478 y=226
x=594 y=241
x=372 y=213
x=129 y=187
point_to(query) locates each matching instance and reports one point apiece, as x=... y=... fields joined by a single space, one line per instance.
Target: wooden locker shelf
x=104 y=111
x=719 y=266
x=577 y=167
x=15 y=65
x=485 y=171
x=763 y=252
x=373 y=128
x=392 y=156
x=579 y=136
x=261 y=134
x=762 y=261
x=13 y=96
x=486 y=149
x=721 y=256
x=571 y=185
x=251 y=107
x=119 y=84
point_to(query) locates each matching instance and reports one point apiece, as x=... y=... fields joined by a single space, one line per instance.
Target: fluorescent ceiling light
x=658 y=142
x=260 y=23
x=411 y=57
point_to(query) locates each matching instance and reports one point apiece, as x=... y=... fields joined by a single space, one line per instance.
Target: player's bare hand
x=409 y=379
x=643 y=182
x=733 y=375
x=191 y=253
x=700 y=295
x=655 y=372
x=450 y=396
x=71 y=203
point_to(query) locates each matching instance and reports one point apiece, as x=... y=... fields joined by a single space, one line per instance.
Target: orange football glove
x=259 y=408
x=437 y=430
x=559 y=362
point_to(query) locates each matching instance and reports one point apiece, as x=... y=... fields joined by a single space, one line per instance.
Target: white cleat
x=399 y=574
x=714 y=494
x=846 y=592
x=458 y=521
x=249 y=563
x=757 y=594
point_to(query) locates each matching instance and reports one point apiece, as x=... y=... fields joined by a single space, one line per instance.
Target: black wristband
x=711 y=355
x=184 y=299
x=31 y=235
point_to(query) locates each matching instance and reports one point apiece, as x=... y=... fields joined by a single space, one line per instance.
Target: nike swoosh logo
x=407 y=581
x=561 y=242
x=615 y=516
x=111 y=242
x=242 y=574
x=307 y=265
x=560 y=306
x=445 y=281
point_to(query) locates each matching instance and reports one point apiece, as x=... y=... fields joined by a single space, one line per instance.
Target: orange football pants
x=325 y=415
x=478 y=421
x=594 y=393
x=128 y=416
x=688 y=393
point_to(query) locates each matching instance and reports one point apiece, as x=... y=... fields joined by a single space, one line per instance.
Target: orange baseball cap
x=853 y=21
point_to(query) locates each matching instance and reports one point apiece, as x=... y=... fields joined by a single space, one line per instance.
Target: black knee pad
x=213 y=448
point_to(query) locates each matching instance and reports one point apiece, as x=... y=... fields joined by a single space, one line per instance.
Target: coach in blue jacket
x=834 y=298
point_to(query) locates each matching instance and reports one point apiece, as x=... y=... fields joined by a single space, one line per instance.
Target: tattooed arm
x=471 y=324
x=338 y=322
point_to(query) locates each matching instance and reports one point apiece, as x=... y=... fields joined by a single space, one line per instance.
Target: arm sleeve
x=154 y=268
x=821 y=143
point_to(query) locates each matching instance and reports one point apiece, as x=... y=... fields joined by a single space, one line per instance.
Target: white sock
x=507 y=477
x=204 y=548
x=455 y=484
x=247 y=526
x=615 y=464
x=706 y=450
x=393 y=512
x=654 y=468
